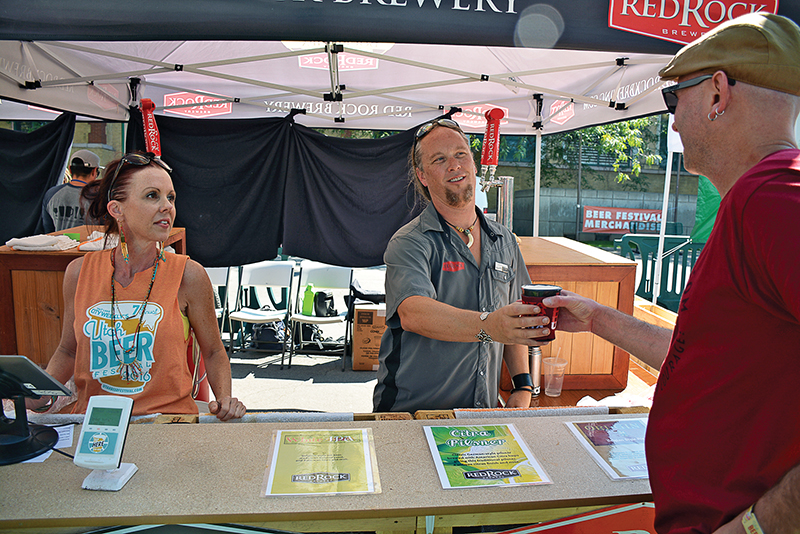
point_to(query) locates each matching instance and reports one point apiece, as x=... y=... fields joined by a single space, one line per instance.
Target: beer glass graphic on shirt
x=122 y=350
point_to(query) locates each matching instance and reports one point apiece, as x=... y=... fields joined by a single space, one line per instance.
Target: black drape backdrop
x=30 y=164
x=345 y=197
x=244 y=187
x=229 y=177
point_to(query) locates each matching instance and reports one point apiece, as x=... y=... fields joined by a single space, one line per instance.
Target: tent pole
x=662 y=233
x=537 y=183
x=578 y=226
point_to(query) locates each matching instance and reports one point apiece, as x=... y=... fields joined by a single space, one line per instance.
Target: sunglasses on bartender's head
x=671 y=99
x=139 y=159
x=426 y=128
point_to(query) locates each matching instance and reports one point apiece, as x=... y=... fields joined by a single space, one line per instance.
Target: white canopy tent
x=364 y=86
x=550 y=66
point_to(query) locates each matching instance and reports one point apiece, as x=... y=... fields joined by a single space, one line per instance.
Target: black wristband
x=522 y=380
x=44 y=407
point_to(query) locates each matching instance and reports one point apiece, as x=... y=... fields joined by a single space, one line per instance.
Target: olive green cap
x=758 y=48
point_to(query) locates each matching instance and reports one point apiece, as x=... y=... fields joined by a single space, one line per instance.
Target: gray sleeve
x=408 y=273
x=47 y=219
x=522 y=277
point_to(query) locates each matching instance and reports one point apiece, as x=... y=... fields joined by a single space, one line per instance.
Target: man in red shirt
x=723 y=441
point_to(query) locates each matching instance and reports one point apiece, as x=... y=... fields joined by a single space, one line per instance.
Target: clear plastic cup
x=553 y=376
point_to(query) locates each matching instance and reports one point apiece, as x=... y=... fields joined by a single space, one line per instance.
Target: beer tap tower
x=489 y=158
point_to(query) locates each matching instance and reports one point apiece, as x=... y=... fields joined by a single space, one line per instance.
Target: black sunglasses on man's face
x=671 y=99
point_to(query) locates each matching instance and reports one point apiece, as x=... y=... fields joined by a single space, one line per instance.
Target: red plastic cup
x=534 y=294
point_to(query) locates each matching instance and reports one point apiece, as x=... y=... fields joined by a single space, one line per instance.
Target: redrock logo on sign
x=198 y=107
x=346 y=62
x=679 y=21
x=561 y=111
x=99 y=95
x=473 y=116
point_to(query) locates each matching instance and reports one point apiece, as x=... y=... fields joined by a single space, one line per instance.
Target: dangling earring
x=717 y=114
x=123 y=246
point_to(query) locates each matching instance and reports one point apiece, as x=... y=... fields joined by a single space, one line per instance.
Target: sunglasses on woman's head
x=140 y=160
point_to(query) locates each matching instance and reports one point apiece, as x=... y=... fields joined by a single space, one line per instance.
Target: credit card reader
x=102 y=440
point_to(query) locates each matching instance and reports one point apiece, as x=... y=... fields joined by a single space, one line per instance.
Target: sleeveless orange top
x=158 y=378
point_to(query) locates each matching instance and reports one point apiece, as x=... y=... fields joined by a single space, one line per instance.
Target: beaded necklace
x=132 y=371
x=466 y=231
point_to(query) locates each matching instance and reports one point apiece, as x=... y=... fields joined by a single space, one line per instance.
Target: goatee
x=457 y=200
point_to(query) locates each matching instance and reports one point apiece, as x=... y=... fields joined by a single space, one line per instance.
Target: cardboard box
x=368 y=326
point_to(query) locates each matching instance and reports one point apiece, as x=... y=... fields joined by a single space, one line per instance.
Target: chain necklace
x=132 y=371
x=466 y=231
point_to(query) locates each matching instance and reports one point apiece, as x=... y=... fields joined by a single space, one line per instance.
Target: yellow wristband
x=750 y=523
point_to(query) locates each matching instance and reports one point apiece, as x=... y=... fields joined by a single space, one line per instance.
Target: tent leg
x=662 y=232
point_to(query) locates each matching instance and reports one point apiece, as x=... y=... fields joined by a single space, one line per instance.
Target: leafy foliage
x=625 y=148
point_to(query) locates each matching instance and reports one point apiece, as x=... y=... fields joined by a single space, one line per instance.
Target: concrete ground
x=314 y=382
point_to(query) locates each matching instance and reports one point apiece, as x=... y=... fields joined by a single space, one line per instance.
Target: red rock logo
x=679 y=21
x=562 y=111
x=202 y=106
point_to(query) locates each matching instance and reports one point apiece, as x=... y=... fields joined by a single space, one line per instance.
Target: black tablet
x=31 y=378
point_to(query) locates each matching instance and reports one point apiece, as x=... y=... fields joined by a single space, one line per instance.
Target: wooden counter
x=604 y=277
x=31 y=295
x=213 y=473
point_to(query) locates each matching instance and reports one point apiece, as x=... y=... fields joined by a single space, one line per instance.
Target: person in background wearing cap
x=723 y=440
x=61 y=207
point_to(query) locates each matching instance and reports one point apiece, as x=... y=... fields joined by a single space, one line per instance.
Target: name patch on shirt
x=453 y=266
x=501 y=267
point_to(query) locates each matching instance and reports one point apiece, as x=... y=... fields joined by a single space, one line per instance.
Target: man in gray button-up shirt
x=453 y=279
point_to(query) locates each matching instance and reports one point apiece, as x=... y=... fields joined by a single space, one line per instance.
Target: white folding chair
x=266 y=275
x=322 y=277
x=219 y=280
x=225 y=281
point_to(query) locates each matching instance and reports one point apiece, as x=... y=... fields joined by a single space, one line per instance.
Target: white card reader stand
x=109 y=479
x=101 y=442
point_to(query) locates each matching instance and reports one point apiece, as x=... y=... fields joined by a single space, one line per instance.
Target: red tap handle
x=491 y=137
x=152 y=138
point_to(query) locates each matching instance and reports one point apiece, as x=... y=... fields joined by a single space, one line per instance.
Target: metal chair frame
x=264 y=274
x=678 y=259
x=321 y=276
x=221 y=278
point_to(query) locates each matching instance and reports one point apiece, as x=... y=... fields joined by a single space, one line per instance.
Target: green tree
x=625 y=146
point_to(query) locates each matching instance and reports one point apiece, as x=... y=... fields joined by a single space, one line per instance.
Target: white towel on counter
x=96 y=241
x=42 y=242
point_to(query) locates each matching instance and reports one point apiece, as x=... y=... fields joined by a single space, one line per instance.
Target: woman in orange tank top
x=128 y=309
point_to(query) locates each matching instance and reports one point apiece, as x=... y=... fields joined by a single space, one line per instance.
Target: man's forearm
x=647 y=342
x=436 y=320
x=516 y=358
x=778 y=510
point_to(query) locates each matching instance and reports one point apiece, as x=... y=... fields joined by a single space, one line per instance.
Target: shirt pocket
x=501 y=281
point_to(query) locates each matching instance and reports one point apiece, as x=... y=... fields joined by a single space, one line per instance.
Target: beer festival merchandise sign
x=483 y=456
x=618 y=220
x=322 y=462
